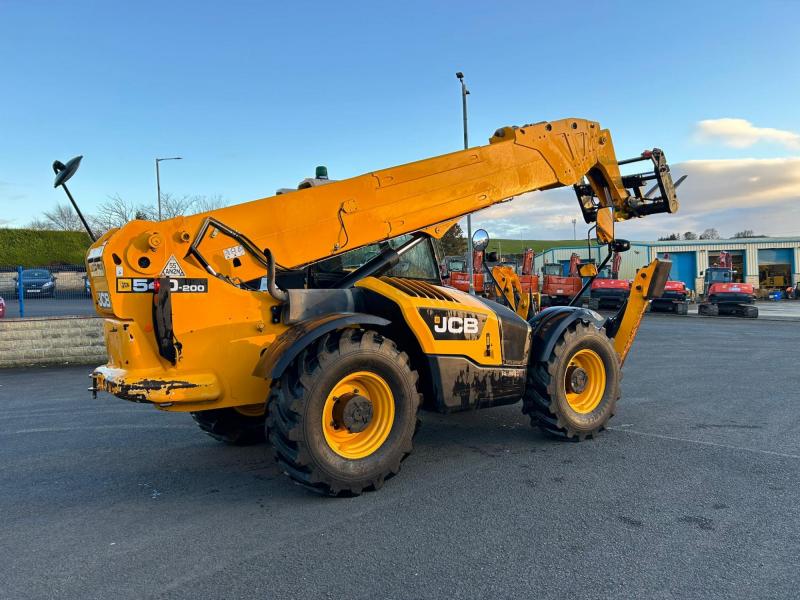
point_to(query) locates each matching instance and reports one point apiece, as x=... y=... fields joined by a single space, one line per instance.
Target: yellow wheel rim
x=360 y=444
x=585 y=381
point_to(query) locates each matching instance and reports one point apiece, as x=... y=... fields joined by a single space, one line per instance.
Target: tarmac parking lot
x=691 y=493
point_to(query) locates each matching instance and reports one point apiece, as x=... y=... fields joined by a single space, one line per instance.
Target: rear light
x=156 y=285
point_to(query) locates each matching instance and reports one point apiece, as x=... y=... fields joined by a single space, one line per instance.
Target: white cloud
x=740 y=133
x=729 y=195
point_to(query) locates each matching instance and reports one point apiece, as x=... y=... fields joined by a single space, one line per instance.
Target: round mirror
x=480 y=239
x=65 y=171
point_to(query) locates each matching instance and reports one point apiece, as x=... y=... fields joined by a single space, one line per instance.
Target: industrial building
x=763 y=262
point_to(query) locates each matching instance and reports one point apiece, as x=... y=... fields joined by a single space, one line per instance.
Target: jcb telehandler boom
x=316 y=316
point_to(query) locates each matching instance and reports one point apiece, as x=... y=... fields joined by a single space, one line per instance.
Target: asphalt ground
x=692 y=493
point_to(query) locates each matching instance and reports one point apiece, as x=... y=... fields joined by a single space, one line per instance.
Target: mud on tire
x=545 y=397
x=231 y=427
x=295 y=408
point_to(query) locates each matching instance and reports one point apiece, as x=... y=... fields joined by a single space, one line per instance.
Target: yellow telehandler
x=317 y=320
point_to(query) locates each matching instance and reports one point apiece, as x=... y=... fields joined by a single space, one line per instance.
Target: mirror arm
x=80 y=214
x=586 y=285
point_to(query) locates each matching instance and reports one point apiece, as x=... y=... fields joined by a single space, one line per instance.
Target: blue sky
x=253 y=95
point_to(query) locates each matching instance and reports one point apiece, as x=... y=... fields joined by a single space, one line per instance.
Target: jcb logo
x=467 y=325
x=453 y=324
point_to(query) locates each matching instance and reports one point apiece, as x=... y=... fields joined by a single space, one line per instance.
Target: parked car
x=2 y=307
x=37 y=282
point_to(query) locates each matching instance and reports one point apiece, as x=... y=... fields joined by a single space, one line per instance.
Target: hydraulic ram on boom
x=261 y=315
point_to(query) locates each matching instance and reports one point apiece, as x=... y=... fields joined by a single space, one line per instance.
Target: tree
x=453 y=243
x=690 y=235
x=60 y=218
x=709 y=234
x=747 y=233
x=115 y=211
x=672 y=237
x=207 y=203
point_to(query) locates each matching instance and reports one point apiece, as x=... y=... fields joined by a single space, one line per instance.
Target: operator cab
x=719 y=275
x=552 y=269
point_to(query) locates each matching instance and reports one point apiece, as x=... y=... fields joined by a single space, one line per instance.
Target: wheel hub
x=578 y=380
x=352 y=412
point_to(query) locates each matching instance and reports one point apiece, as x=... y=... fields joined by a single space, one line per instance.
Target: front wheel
x=342 y=417
x=574 y=393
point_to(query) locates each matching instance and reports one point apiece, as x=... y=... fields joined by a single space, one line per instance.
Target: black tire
x=681 y=308
x=296 y=403
x=230 y=426
x=545 y=397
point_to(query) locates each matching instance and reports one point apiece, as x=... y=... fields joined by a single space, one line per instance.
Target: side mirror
x=587 y=270
x=480 y=239
x=65 y=171
x=620 y=245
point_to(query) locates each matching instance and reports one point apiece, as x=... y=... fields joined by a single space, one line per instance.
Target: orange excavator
x=608 y=290
x=724 y=296
x=558 y=290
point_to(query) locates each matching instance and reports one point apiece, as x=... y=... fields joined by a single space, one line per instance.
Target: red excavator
x=675 y=297
x=608 y=290
x=724 y=296
x=459 y=279
x=529 y=281
x=558 y=290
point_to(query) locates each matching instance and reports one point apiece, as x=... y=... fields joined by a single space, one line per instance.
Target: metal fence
x=32 y=291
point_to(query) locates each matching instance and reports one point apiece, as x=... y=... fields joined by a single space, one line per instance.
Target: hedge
x=33 y=248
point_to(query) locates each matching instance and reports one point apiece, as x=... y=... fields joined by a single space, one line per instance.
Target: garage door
x=775 y=267
x=684 y=267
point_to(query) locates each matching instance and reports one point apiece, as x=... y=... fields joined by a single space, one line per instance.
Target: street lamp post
x=158 y=181
x=464 y=93
x=574 y=231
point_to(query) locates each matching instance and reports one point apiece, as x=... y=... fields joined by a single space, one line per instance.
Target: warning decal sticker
x=172 y=268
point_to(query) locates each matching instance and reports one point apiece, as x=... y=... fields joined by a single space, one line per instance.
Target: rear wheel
x=682 y=308
x=342 y=416
x=242 y=426
x=750 y=311
x=573 y=394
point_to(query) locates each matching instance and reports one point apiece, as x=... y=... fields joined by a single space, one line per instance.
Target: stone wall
x=51 y=341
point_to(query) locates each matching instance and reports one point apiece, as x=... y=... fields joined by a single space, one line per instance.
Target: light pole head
x=459 y=75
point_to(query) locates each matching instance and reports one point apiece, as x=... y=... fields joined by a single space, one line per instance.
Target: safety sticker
x=172 y=268
x=234 y=252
